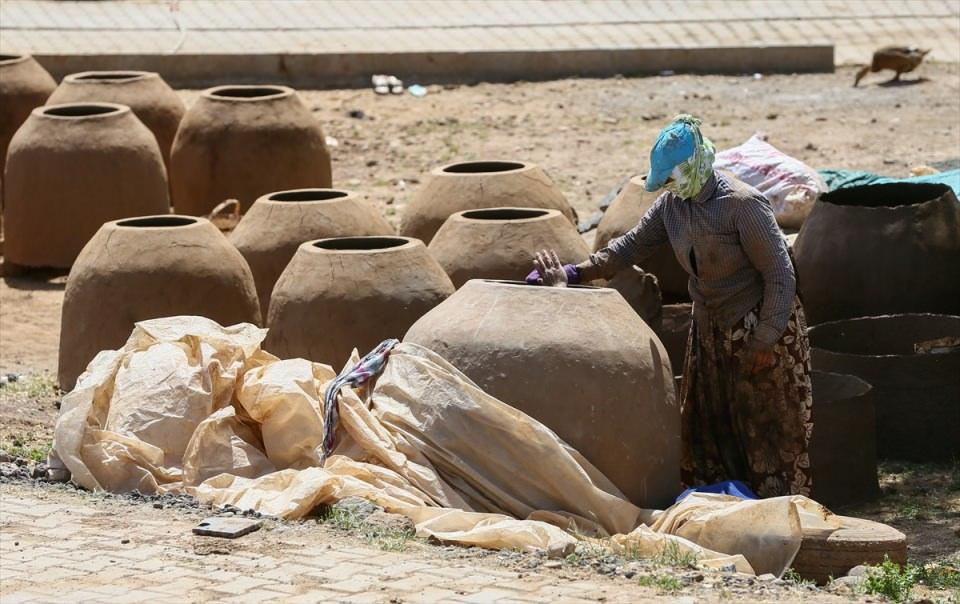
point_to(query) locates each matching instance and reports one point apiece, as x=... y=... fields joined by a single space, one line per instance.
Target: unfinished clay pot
x=70 y=168
x=916 y=393
x=578 y=359
x=241 y=142
x=24 y=85
x=144 y=268
x=826 y=556
x=476 y=185
x=145 y=92
x=843 y=447
x=623 y=214
x=880 y=249
x=499 y=243
x=351 y=292
x=270 y=233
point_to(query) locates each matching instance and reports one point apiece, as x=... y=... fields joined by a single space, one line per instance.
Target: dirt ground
x=588 y=134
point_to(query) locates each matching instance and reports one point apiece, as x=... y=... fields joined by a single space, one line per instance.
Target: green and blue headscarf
x=682 y=153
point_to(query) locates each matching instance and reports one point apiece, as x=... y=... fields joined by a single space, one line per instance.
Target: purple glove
x=573 y=275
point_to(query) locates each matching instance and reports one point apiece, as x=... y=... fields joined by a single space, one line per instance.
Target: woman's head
x=681 y=159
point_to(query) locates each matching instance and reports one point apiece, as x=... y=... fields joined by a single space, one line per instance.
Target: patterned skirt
x=742 y=426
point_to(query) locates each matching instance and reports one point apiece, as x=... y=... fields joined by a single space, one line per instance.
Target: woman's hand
x=760 y=359
x=551 y=271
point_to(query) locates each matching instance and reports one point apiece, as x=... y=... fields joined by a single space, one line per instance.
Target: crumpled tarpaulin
x=189 y=406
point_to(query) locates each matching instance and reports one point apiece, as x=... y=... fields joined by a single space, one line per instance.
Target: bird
x=897 y=58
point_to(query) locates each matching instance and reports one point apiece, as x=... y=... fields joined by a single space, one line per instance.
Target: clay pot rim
x=569 y=288
x=113 y=76
x=116 y=110
x=337 y=195
x=175 y=221
x=519 y=166
x=942 y=188
x=280 y=92
x=540 y=214
x=402 y=244
x=911 y=355
x=12 y=58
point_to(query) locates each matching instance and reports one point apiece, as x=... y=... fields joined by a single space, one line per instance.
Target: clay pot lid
x=311 y=195
x=159 y=221
x=366 y=244
x=889 y=336
x=482 y=167
x=111 y=77
x=505 y=215
x=886 y=196
x=12 y=59
x=247 y=93
x=80 y=111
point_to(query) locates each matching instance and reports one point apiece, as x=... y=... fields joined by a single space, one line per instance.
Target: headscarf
x=690 y=175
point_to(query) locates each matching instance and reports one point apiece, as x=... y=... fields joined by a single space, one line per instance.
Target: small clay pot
x=499 y=243
x=351 y=292
x=624 y=213
x=144 y=268
x=878 y=250
x=241 y=142
x=145 y=92
x=270 y=233
x=579 y=360
x=71 y=168
x=476 y=185
x=24 y=85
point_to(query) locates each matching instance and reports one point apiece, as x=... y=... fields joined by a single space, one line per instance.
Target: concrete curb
x=353 y=70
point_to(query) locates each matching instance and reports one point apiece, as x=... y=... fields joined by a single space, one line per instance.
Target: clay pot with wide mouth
x=241 y=142
x=912 y=361
x=71 y=168
x=24 y=85
x=499 y=243
x=145 y=92
x=351 y=292
x=579 y=360
x=269 y=234
x=880 y=249
x=843 y=447
x=477 y=185
x=148 y=267
x=624 y=213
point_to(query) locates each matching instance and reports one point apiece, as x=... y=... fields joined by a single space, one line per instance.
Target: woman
x=745 y=395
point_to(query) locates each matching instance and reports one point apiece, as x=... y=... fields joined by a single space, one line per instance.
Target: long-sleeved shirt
x=728 y=241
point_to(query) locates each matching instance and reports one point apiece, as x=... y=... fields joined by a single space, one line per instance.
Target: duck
x=901 y=59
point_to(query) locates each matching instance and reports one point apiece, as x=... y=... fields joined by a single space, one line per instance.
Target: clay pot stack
x=145 y=92
x=24 y=85
x=144 y=268
x=604 y=385
x=351 y=292
x=478 y=185
x=499 y=243
x=880 y=249
x=70 y=168
x=242 y=142
x=270 y=233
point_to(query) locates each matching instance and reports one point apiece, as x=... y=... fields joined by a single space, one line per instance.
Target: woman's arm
x=635 y=246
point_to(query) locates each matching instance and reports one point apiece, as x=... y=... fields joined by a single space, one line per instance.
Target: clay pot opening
x=483 y=167
x=360 y=243
x=248 y=92
x=504 y=214
x=81 y=110
x=888 y=195
x=883 y=336
x=149 y=222
x=308 y=195
x=109 y=76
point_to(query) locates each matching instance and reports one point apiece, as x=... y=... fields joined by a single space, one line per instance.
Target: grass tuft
x=384 y=537
x=671 y=555
x=888 y=579
x=662 y=583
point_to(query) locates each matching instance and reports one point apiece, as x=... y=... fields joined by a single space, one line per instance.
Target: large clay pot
x=351 y=292
x=843 y=447
x=917 y=394
x=623 y=214
x=270 y=233
x=24 y=85
x=476 y=185
x=578 y=359
x=499 y=243
x=880 y=249
x=71 y=168
x=144 y=268
x=145 y=92
x=241 y=142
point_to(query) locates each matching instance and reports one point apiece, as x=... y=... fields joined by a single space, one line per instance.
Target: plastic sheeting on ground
x=190 y=406
x=842 y=179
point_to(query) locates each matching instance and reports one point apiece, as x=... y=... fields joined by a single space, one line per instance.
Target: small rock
x=39 y=471
x=851 y=582
x=729 y=568
x=371 y=163
x=857 y=571
x=767 y=577
x=810 y=147
x=630 y=574
x=158 y=506
x=9 y=470
x=393 y=522
x=124 y=541
x=4 y=458
x=772 y=116
x=552 y=564
x=357 y=114
x=357 y=506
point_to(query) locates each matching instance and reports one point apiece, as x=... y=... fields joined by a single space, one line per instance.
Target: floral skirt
x=742 y=426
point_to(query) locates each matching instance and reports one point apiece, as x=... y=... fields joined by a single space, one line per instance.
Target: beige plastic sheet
x=188 y=405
